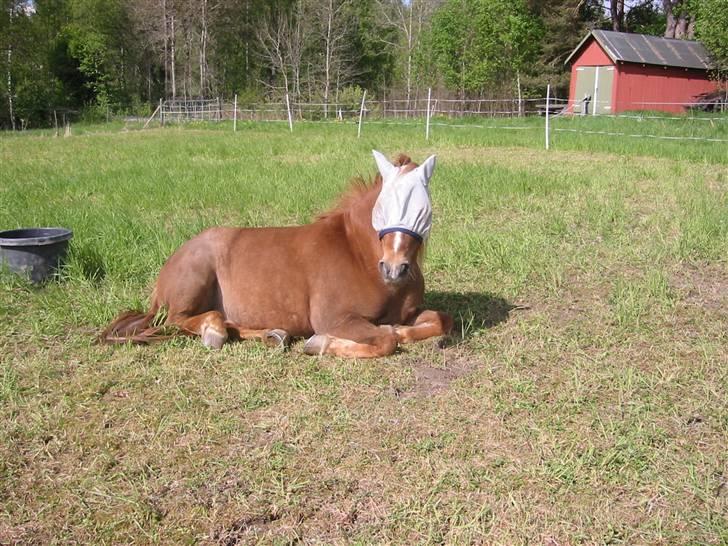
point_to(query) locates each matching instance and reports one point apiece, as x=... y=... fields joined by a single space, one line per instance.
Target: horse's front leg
x=425 y=325
x=356 y=338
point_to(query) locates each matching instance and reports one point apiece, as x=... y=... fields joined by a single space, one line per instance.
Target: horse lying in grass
x=350 y=281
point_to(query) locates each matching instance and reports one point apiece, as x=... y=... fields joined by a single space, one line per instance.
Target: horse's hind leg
x=276 y=338
x=210 y=326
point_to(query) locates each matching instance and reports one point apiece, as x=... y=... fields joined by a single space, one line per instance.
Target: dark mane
x=360 y=190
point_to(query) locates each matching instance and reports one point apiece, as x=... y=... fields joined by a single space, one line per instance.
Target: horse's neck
x=361 y=236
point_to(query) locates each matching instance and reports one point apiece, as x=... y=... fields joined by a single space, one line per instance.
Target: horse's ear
x=428 y=167
x=386 y=169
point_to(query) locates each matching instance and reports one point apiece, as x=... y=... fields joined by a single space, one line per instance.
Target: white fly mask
x=404 y=202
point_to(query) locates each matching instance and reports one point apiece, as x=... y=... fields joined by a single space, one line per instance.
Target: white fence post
x=361 y=114
x=427 y=124
x=548 y=102
x=235 y=113
x=288 y=107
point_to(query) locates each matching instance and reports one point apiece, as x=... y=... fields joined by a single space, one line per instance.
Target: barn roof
x=644 y=49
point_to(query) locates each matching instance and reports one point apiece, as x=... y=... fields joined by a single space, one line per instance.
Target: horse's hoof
x=213 y=339
x=316 y=344
x=277 y=339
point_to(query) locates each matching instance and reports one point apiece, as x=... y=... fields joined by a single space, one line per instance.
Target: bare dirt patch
x=245 y=528
x=431 y=380
x=704 y=286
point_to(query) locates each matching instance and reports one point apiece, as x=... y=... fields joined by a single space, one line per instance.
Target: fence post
x=548 y=102
x=427 y=123
x=161 y=113
x=361 y=113
x=235 y=113
x=288 y=107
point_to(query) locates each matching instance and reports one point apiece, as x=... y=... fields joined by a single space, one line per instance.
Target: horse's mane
x=361 y=190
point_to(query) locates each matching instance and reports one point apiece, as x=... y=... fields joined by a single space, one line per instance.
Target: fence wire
x=442 y=114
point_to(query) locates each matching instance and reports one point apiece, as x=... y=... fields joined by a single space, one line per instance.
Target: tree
x=409 y=20
x=564 y=23
x=616 y=9
x=712 y=30
x=372 y=65
x=645 y=18
x=282 y=39
x=331 y=20
x=9 y=30
x=484 y=43
x=680 y=20
x=27 y=86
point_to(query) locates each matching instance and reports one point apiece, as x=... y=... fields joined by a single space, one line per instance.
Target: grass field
x=584 y=398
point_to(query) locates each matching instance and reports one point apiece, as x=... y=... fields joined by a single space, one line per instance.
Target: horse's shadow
x=472 y=312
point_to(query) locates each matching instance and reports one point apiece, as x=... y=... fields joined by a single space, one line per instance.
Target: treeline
x=100 y=56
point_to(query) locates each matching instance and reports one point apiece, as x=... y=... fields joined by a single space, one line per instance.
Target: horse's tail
x=134 y=327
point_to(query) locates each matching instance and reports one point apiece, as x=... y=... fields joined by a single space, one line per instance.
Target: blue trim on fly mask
x=401 y=230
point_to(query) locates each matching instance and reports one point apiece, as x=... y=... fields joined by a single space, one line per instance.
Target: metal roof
x=644 y=49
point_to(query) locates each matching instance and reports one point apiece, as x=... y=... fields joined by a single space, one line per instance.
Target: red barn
x=618 y=71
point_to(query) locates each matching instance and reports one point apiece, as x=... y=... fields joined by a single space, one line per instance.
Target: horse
x=350 y=282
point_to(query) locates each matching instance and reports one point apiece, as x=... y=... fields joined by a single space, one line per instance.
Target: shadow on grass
x=90 y=263
x=473 y=312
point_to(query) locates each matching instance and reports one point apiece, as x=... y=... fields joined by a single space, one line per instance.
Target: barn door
x=584 y=89
x=595 y=84
x=604 y=80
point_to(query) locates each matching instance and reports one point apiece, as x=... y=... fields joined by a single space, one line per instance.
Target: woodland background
x=95 y=57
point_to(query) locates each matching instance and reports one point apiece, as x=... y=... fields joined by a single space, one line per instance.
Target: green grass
x=583 y=401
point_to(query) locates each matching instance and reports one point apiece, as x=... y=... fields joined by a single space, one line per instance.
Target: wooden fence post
x=235 y=113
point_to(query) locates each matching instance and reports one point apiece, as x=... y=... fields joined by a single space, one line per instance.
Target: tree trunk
x=11 y=112
x=173 y=60
x=10 y=88
x=327 y=60
x=669 y=9
x=166 y=48
x=690 y=35
x=409 y=58
x=681 y=29
x=203 y=50
x=617 y=12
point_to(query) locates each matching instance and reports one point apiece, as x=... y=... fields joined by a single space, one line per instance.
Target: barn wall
x=644 y=84
x=591 y=54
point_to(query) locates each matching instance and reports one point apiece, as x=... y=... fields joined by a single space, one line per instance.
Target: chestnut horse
x=350 y=281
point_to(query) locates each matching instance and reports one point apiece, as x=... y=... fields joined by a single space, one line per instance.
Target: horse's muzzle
x=393 y=273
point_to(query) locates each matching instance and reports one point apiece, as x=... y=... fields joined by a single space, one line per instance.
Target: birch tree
x=409 y=20
x=11 y=8
x=282 y=40
x=332 y=23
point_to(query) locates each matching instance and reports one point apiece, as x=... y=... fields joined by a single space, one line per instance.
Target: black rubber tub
x=35 y=253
